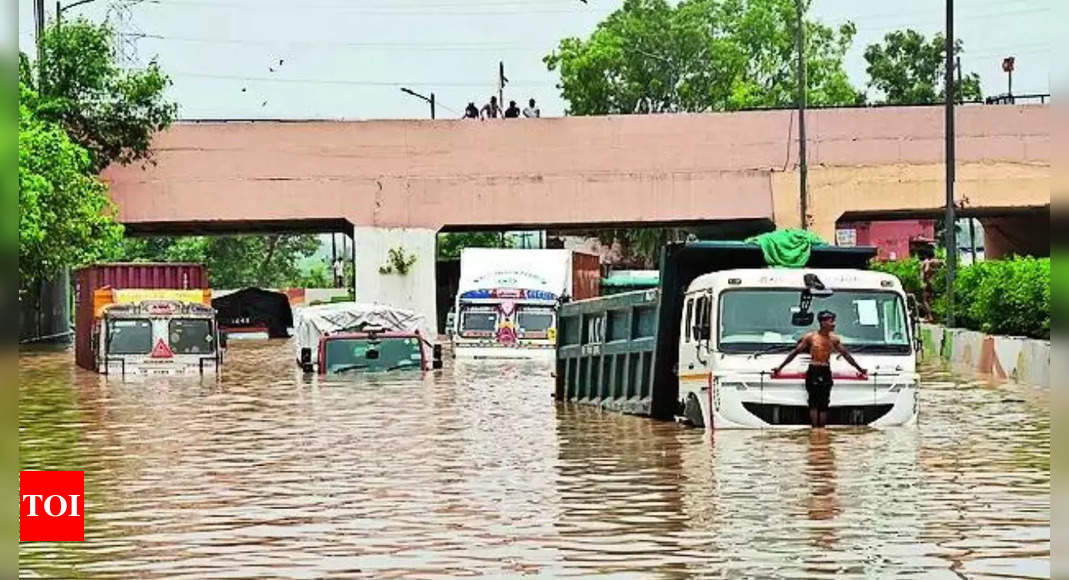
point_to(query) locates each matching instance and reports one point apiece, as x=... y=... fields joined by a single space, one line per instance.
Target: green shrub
x=1009 y=297
x=908 y=272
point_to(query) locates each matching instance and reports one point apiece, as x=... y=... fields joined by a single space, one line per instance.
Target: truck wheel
x=693 y=411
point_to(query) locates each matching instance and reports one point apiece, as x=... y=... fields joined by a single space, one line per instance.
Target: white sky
x=348 y=59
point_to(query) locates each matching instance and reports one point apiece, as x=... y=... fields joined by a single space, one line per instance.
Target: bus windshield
x=373 y=355
x=755 y=319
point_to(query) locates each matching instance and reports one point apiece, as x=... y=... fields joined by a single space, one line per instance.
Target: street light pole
x=429 y=99
x=803 y=168
x=950 y=218
x=60 y=9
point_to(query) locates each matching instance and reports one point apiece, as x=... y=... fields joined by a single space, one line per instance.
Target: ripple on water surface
x=476 y=471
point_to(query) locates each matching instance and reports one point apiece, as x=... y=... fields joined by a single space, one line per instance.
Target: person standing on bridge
x=818 y=382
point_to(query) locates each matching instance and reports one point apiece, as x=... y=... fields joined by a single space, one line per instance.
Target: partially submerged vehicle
x=350 y=336
x=702 y=346
x=507 y=299
x=156 y=333
x=254 y=313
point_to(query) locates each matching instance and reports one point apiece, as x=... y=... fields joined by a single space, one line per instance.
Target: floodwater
x=478 y=472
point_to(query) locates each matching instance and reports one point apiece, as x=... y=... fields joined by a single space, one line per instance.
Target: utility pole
x=950 y=218
x=802 y=94
x=501 y=80
x=429 y=99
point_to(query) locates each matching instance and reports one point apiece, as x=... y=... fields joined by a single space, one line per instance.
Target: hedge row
x=1008 y=297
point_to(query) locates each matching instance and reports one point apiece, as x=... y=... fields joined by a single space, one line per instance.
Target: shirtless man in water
x=820 y=345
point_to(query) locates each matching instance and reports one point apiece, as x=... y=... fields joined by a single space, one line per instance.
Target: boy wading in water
x=820 y=345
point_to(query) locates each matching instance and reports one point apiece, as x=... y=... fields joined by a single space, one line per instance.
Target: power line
x=414 y=11
x=433 y=47
x=350 y=82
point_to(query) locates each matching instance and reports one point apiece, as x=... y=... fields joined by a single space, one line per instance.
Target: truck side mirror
x=222 y=340
x=436 y=360
x=306 y=359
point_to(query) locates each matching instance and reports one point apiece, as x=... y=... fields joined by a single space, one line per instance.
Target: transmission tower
x=121 y=16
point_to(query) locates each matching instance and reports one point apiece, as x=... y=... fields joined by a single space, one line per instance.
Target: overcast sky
x=348 y=59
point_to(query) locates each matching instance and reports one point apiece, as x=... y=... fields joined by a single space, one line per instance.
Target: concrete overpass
x=399 y=182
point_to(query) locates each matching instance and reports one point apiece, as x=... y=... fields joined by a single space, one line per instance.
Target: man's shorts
x=818 y=386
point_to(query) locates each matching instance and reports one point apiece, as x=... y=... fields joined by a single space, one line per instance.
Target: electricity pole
x=950 y=218
x=802 y=90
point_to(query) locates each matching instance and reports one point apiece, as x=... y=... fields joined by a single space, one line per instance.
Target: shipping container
x=148 y=275
x=586 y=276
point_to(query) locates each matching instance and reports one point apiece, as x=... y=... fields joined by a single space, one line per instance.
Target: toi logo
x=51 y=506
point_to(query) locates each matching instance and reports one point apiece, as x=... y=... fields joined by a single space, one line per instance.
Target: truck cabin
x=375 y=350
x=159 y=331
x=507 y=315
x=761 y=318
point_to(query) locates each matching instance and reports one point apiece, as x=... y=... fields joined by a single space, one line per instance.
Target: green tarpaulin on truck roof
x=787 y=248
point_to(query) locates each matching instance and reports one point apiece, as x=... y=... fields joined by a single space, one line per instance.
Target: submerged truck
x=701 y=347
x=507 y=299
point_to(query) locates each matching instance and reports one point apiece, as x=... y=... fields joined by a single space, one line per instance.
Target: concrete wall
x=584 y=170
x=414 y=290
x=1022 y=360
x=891 y=238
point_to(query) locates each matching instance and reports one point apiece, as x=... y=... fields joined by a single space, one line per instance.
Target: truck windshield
x=191 y=336
x=752 y=320
x=478 y=321
x=129 y=336
x=535 y=320
x=374 y=355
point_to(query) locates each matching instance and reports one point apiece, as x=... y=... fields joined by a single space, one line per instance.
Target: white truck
x=507 y=299
x=701 y=348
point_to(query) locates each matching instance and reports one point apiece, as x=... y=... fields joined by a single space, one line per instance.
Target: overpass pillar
x=396 y=266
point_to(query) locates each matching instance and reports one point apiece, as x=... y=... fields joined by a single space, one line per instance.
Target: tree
x=907 y=69
x=450 y=245
x=700 y=55
x=112 y=112
x=233 y=261
x=65 y=216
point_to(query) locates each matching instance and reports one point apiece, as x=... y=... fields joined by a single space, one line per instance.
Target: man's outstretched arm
x=798 y=349
x=849 y=358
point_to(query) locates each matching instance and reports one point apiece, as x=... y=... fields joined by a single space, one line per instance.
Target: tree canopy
x=270 y=261
x=908 y=69
x=700 y=55
x=65 y=216
x=112 y=112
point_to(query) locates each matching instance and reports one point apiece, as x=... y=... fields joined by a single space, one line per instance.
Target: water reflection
x=474 y=470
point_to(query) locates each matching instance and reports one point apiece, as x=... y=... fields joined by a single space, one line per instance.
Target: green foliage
x=233 y=261
x=397 y=261
x=112 y=112
x=65 y=216
x=318 y=276
x=450 y=245
x=700 y=55
x=908 y=69
x=907 y=271
x=1008 y=297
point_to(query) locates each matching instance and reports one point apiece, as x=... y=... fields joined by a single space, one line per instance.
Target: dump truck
x=701 y=347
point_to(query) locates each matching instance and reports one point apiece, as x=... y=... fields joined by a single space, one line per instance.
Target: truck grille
x=799 y=415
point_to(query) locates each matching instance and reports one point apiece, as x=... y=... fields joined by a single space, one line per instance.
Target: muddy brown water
x=476 y=471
